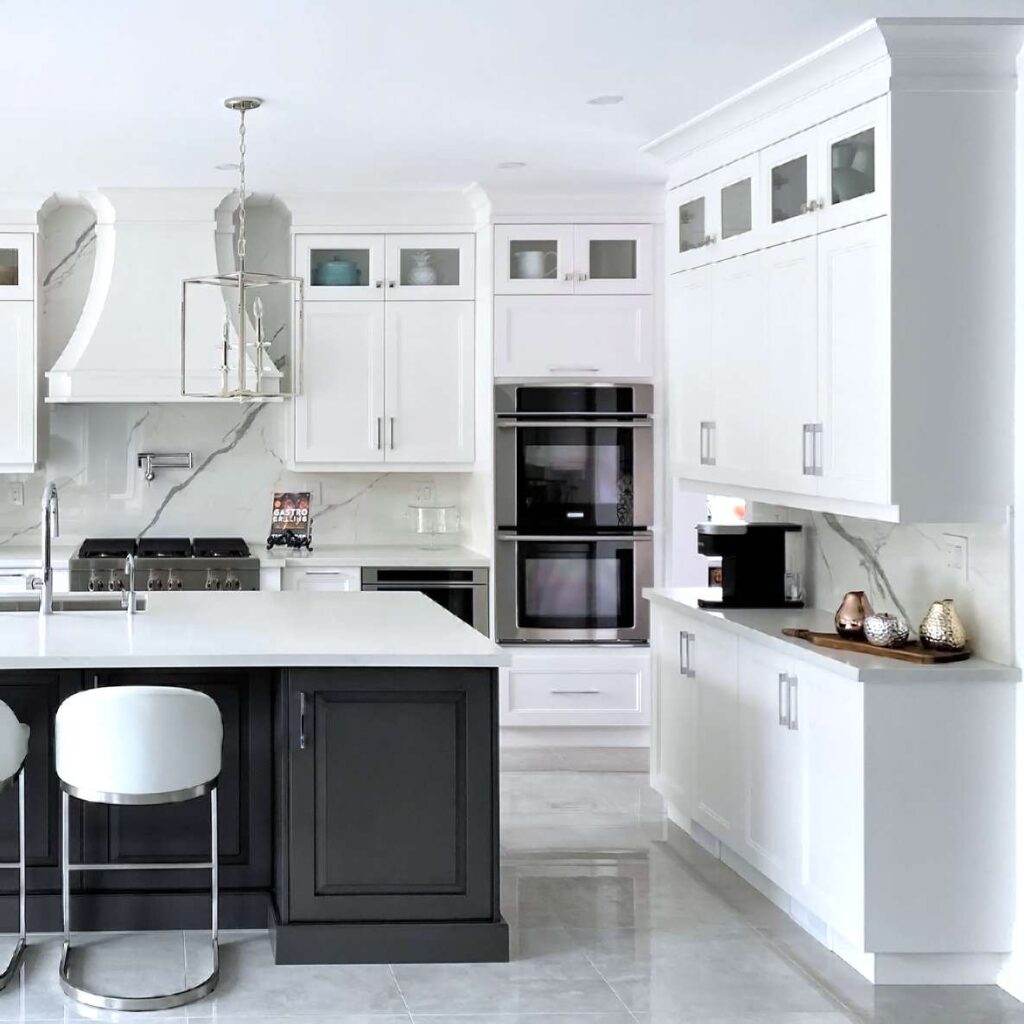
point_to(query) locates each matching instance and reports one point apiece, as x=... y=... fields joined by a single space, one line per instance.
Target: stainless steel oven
x=582 y=588
x=573 y=457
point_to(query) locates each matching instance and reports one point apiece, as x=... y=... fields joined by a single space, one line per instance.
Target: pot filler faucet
x=50 y=529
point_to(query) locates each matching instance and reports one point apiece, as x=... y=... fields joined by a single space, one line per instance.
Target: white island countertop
x=765 y=625
x=253 y=629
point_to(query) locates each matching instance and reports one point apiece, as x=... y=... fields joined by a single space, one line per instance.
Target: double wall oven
x=574 y=504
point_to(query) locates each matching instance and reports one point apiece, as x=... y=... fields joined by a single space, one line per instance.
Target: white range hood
x=126 y=346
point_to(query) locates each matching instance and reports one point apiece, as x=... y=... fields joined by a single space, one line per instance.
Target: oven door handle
x=422 y=586
x=623 y=424
x=618 y=537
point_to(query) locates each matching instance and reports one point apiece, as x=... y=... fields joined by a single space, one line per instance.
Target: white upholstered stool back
x=13 y=750
x=13 y=743
x=138 y=741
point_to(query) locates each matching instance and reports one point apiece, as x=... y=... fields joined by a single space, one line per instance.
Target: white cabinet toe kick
x=873 y=804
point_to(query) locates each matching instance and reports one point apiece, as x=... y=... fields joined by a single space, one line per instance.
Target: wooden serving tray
x=914 y=652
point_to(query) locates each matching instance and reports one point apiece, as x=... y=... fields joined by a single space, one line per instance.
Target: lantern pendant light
x=245 y=341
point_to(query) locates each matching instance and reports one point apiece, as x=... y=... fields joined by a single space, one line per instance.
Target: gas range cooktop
x=165 y=563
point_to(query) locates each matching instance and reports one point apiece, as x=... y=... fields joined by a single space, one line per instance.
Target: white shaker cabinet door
x=791 y=366
x=769 y=750
x=534 y=259
x=575 y=336
x=715 y=799
x=831 y=885
x=18 y=388
x=672 y=733
x=614 y=259
x=436 y=267
x=689 y=348
x=339 y=417
x=854 y=353
x=321 y=578
x=738 y=371
x=429 y=394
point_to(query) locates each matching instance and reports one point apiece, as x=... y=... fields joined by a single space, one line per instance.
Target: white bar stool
x=13 y=749
x=137 y=745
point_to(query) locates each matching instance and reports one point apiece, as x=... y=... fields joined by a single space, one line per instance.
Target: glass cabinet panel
x=853 y=166
x=9 y=268
x=789 y=189
x=737 y=209
x=692 y=225
x=431 y=268
x=339 y=268
x=533 y=259
x=613 y=259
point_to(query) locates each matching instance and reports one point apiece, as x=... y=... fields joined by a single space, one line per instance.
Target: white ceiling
x=385 y=93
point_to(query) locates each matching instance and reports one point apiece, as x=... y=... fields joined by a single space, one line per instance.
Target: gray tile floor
x=609 y=926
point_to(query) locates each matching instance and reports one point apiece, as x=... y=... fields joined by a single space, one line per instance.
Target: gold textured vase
x=942 y=627
x=852 y=612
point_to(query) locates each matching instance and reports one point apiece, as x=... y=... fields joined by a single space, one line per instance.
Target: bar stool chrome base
x=14 y=964
x=161 y=1001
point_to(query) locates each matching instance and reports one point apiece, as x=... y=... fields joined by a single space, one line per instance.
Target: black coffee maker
x=761 y=563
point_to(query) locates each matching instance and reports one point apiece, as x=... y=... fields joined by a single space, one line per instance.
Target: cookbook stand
x=291 y=522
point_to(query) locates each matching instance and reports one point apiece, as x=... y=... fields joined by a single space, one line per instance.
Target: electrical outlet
x=956 y=554
x=424 y=494
x=16 y=493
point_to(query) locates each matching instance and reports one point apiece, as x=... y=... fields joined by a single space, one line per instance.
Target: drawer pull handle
x=302 y=721
x=560 y=692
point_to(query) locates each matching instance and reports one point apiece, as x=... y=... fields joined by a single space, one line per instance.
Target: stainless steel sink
x=68 y=603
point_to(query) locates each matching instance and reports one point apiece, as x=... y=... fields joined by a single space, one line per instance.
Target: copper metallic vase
x=855 y=608
x=942 y=628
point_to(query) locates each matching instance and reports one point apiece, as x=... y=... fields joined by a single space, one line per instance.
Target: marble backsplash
x=902 y=568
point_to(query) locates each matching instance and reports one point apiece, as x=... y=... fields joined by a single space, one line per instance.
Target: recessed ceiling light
x=227 y=167
x=512 y=165
x=605 y=101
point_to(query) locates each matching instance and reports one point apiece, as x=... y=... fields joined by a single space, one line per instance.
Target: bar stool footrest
x=14 y=964
x=164 y=1001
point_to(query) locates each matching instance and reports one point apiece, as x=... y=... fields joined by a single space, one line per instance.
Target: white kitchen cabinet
x=386 y=385
x=712 y=660
x=565 y=259
x=789 y=367
x=321 y=578
x=574 y=336
x=339 y=417
x=17 y=266
x=673 y=706
x=439 y=267
x=770 y=760
x=690 y=223
x=830 y=881
x=429 y=385
x=18 y=389
x=689 y=345
x=789 y=171
x=386 y=267
x=577 y=688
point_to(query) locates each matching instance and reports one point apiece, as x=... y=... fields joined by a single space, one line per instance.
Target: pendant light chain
x=241 y=189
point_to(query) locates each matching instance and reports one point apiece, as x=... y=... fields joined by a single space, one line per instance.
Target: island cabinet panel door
x=392 y=796
x=34 y=698
x=181 y=832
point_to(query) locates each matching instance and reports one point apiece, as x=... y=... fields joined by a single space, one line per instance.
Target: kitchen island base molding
x=390 y=942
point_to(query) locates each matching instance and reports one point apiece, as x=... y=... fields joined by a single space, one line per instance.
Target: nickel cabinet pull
x=573 y=692
x=793 y=721
x=808 y=449
x=708 y=443
x=685 y=662
x=380 y=431
x=783 y=699
x=302 y=721
x=817 y=448
x=391 y=422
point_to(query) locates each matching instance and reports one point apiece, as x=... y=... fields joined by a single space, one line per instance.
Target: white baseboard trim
x=878 y=968
x=573 y=736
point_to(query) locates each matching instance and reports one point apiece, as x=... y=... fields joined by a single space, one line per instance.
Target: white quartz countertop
x=765 y=625
x=253 y=629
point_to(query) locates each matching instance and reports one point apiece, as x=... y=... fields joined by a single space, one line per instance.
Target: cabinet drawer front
x=321 y=578
x=572 y=691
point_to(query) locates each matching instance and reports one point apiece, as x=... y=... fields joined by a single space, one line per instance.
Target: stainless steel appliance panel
x=463 y=592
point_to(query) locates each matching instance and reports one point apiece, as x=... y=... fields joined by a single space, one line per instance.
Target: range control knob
x=173 y=581
x=95 y=583
x=212 y=580
x=154 y=582
x=115 y=582
x=232 y=583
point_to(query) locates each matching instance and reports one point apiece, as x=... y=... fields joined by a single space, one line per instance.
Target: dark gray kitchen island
x=358 y=795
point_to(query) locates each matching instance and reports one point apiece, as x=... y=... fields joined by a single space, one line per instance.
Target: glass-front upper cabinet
x=533 y=259
x=789 y=176
x=341 y=266
x=690 y=223
x=614 y=259
x=17 y=266
x=733 y=197
x=853 y=155
x=430 y=266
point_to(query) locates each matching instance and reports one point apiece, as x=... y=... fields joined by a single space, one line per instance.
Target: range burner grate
x=107 y=547
x=164 y=547
x=220 y=547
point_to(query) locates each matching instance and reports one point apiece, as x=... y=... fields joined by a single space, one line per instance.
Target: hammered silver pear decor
x=942 y=627
x=885 y=630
